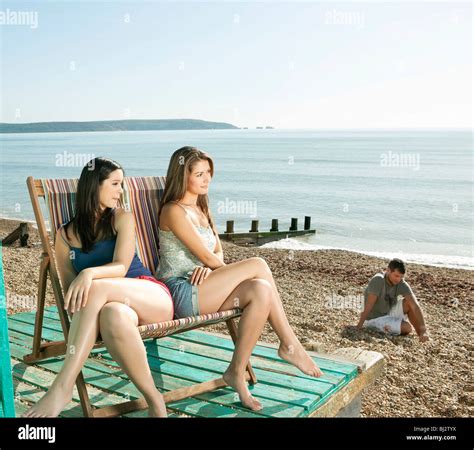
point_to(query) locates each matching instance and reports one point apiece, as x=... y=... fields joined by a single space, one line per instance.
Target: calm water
x=394 y=193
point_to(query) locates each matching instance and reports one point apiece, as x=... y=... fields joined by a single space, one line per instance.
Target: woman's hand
x=199 y=274
x=76 y=297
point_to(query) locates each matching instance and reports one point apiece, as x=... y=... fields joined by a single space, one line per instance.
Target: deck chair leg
x=233 y=334
x=84 y=396
x=48 y=349
x=43 y=274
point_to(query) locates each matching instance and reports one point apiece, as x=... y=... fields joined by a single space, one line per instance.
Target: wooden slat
x=205 y=357
x=39 y=188
x=266 y=393
x=218 y=341
x=269 y=352
x=298 y=381
x=172 y=381
x=332 y=405
x=168 y=376
x=290 y=373
x=195 y=360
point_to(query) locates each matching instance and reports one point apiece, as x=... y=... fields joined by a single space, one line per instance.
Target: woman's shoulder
x=121 y=212
x=65 y=234
x=122 y=216
x=173 y=209
x=171 y=212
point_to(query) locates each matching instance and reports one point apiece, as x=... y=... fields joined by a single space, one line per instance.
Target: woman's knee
x=260 y=265
x=260 y=291
x=114 y=317
x=97 y=289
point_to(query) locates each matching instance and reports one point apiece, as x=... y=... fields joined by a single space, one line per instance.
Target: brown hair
x=180 y=167
x=397 y=264
x=87 y=207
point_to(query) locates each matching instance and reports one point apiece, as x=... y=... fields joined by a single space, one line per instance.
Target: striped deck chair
x=141 y=197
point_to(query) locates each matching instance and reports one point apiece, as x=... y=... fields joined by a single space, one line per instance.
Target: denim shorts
x=185 y=297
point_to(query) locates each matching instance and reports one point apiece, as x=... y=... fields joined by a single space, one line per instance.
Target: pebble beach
x=321 y=292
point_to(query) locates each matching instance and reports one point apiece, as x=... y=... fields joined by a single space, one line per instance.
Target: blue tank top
x=102 y=253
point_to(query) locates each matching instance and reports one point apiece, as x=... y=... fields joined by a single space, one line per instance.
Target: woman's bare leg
x=255 y=298
x=213 y=293
x=118 y=328
x=147 y=299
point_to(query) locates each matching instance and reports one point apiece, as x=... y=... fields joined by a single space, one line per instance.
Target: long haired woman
x=192 y=266
x=107 y=289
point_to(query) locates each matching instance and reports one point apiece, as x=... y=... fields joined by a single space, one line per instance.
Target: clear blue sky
x=290 y=65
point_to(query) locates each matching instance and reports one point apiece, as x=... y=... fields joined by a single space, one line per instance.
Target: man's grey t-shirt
x=386 y=294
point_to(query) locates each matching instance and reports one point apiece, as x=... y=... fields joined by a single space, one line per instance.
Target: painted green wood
x=274 y=405
x=7 y=406
x=197 y=336
x=331 y=375
x=225 y=353
x=224 y=396
x=264 y=351
x=199 y=374
x=103 y=380
x=195 y=356
x=280 y=366
x=163 y=340
x=40 y=380
x=199 y=362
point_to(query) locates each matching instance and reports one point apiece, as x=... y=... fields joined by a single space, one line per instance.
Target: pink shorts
x=163 y=285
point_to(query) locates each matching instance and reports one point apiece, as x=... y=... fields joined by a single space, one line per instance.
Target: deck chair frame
x=46 y=350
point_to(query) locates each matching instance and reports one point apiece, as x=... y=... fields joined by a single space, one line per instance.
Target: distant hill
x=114 y=125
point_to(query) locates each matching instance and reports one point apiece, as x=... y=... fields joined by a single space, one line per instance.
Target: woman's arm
x=124 y=249
x=218 y=248
x=78 y=291
x=183 y=228
x=67 y=274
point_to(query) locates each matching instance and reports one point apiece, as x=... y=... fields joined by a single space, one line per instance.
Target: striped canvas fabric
x=141 y=197
x=155 y=330
x=60 y=195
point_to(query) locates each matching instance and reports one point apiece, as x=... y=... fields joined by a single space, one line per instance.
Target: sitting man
x=384 y=309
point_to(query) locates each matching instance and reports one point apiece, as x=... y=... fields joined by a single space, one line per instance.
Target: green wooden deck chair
x=141 y=196
x=7 y=408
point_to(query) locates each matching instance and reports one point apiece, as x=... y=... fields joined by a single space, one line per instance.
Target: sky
x=319 y=65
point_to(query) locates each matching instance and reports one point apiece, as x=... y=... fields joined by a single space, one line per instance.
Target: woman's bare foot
x=296 y=355
x=157 y=408
x=51 y=404
x=157 y=411
x=237 y=381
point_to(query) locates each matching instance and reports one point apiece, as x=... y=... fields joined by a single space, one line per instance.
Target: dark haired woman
x=107 y=289
x=192 y=266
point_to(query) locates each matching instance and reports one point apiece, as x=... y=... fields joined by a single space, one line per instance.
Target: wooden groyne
x=20 y=232
x=256 y=237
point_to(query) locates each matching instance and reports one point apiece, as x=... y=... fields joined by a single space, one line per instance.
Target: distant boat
x=269 y=128
x=259 y=128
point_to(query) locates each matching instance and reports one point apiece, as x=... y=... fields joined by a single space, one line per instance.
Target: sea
x=387 y=193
